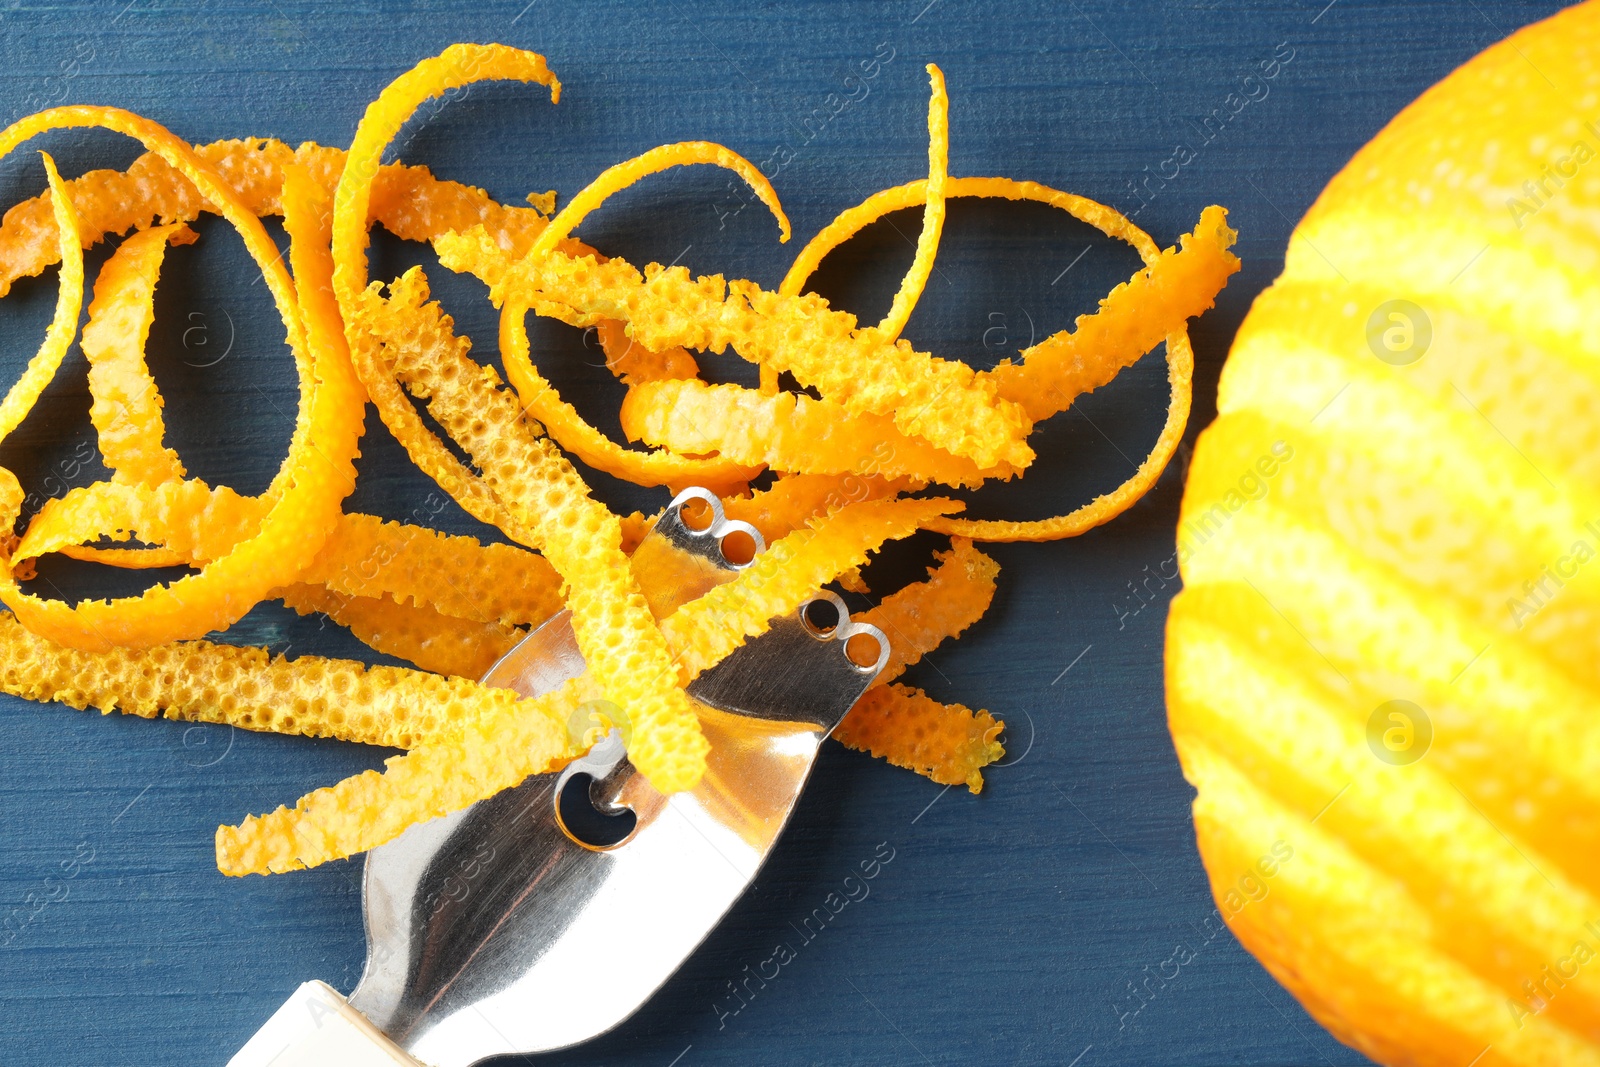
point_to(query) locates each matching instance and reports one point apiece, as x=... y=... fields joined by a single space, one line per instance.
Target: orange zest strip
x=946 y=742
x=562 y=421
x=634 y=363
x=933 y=212
x=1104 y=508
x=364 y=556
x=1175 y=286
x=488 y=753
x=788 y=432
x=456 y=66
x=193 y=522
x=315 y=476
x=618 y=177
x=435 y=642
x=64 y=323
x=919 y=617
x=407 y=201
x=204 y=682
x=793 y=502
x=369 y=557
x=582 y=540
x=940 y=400
x=126 y=410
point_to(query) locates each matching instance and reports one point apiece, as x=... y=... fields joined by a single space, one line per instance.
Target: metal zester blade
x=492 y=931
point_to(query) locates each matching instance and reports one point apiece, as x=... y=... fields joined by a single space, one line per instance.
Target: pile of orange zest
x=126 y=411
x=890 y=420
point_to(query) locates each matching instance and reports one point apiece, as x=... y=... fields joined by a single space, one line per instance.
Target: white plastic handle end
x=316 y=1027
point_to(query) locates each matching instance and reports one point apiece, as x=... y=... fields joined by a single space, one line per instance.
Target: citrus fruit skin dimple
x=1383 y=662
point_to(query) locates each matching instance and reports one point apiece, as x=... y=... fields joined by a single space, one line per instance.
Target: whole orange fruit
x=1383 y=672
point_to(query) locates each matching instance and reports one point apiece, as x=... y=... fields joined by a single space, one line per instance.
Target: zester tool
x=543 y=917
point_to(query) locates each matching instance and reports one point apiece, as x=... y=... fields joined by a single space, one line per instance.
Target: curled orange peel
x=618 y=177
x=316 y=474
x=933 y=212
x=126 y=409
x=562 y=421
x=456 y=66
x=20 y=398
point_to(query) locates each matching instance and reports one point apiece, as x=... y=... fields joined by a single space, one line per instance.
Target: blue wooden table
x=1009 y=928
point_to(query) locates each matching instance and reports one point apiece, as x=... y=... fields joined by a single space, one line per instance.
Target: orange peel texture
x=126 y=410
x=946 y=742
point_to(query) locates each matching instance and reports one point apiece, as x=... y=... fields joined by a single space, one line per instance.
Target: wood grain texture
x=1008 y=928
